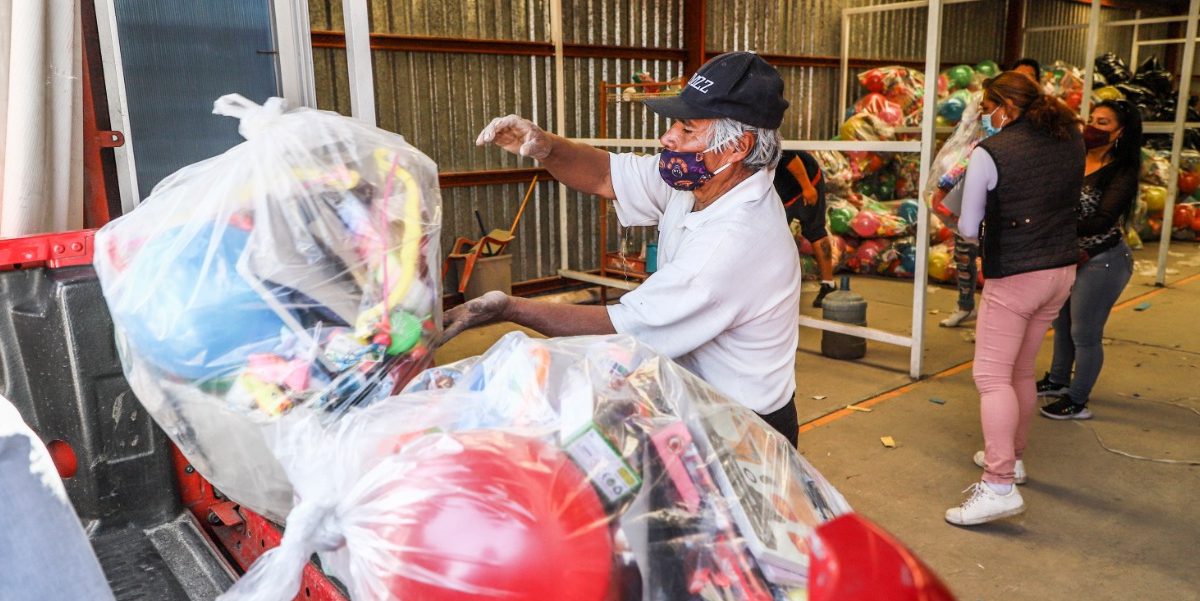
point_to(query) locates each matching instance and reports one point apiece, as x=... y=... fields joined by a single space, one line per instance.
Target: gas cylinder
x=846 y=307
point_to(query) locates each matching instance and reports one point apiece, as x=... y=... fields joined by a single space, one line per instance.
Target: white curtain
x=41 y=117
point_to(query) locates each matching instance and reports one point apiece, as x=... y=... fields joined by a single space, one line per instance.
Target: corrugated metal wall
x=440 y=101
x=1071 y=45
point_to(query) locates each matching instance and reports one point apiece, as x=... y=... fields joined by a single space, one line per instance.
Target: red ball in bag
x=503 y=517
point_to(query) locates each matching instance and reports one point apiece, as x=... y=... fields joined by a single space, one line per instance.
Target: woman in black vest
x=1110 y=187
x=1020 y=198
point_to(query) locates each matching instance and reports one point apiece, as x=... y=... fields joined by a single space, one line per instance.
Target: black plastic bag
x=1112 y=68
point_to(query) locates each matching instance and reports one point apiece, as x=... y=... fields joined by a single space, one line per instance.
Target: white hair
x=763 y=155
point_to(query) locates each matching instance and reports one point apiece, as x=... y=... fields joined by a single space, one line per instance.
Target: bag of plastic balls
x=298 y=268
x=580 y=469
x=950 y=165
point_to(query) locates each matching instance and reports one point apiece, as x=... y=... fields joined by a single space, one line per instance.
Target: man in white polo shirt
x=725 y=299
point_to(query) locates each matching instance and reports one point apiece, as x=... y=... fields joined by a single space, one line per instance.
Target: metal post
x=845 y=74
x=1085 y=107
x=358 y=60
x=118 y=105
x=560 y=125
x=933 y=38
x=1133 y=52
x=293 y=42
x=1185 y=84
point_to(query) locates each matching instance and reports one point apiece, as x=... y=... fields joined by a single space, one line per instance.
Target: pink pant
x=1013 y=320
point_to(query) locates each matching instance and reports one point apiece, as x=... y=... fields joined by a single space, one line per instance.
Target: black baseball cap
x=738 y=85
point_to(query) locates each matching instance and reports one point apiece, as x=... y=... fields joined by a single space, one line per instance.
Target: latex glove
x=516 y=135
x=476 y=312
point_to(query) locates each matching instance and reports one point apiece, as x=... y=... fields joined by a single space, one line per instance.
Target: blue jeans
x=967 y=268
x=1079 y=329
x=44 y=553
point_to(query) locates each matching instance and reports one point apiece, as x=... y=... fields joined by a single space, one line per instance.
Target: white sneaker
x=985 y=505
x=958 y=318
x=1019 y=471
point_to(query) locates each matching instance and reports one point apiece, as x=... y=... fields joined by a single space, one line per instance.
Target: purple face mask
x=685 y=170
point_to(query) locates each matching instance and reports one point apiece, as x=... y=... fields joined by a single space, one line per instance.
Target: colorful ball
x=1188 y=182
x=873 y=81
x=987 y=68
x=939 y=262
x=1183 y=217
x=1155 y=197
x=908 y=211
x=951 y=109
x=180 y=290
x=1108 y=93
x=960 y=76
x=1073 y=100
x=839 y=219
x=499 y=513
x=865 y=224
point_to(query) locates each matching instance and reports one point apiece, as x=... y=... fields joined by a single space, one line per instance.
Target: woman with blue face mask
x=1020 y=197
x=725 y=299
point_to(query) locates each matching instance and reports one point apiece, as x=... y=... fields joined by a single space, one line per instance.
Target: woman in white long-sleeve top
x=1020 y=201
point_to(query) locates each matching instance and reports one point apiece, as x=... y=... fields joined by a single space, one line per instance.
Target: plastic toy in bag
x=297 y=268
x=839 y=215
x=876 y=104
x=941 y=263
x=629 y=479
x=900 y=85
x=987 y=68
x=960 y=77
x=866 y=126
x=1155 y=198
x=1062 y=80
x=950 y=165
x=838 y=174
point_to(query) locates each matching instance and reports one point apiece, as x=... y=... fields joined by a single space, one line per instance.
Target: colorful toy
x=1155 y=198
x=1188 y=182
x=866 y=224
x=987 y=68
x=1107 y=93
x=840 y=217
x=497 y=509
x=1183 y=216
x=296 y=270
x=960 y=76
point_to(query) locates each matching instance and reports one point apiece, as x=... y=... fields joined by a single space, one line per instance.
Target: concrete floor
x=1099 y=525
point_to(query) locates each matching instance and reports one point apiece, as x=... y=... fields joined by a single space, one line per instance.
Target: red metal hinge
x=109 y=139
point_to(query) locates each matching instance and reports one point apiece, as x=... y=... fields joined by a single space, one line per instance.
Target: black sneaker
x=1065 y=408
x=1047 y=388
x=825 y=290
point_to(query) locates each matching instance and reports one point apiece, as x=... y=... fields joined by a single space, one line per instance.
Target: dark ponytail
x=1045 y=113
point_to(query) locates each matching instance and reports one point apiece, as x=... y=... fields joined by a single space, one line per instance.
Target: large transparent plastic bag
x=296 y=269
x=574 y=469
x=944 y=186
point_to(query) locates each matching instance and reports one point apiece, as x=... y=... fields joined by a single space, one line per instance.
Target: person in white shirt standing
x=725 y=300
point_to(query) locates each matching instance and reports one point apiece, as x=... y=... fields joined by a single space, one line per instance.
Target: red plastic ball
x=873 y=81
x=1184 y=216
x=1188 y=182
x=505 y=517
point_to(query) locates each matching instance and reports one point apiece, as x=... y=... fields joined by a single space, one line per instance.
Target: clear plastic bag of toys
x=950 y=165
x=1065 y=81
x=298 y=268
x=900 y=85
x=838 y=174
x=625 y=472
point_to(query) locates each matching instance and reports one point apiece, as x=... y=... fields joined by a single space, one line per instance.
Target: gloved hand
x=516 y=135
x=476 y=312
